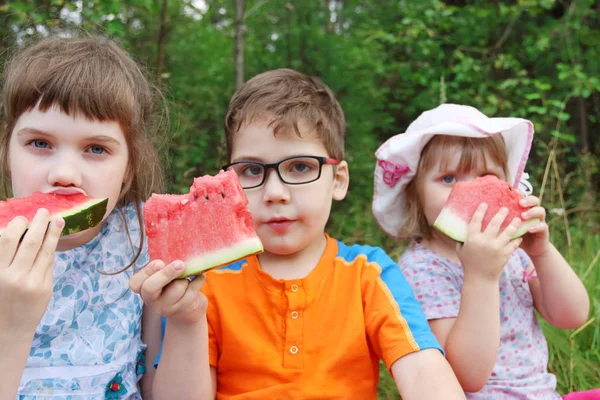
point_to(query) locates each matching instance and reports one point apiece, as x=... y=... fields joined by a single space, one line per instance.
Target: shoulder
x=363 y=254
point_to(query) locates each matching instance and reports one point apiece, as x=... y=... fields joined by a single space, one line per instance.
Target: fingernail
x=504 y=210
x=43 y=211
x=59 y=223
x=178 y=265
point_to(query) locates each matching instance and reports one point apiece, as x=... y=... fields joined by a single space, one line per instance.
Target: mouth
x=279 y=224
x=66 y=191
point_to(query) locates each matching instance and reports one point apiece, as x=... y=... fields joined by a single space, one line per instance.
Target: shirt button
x=294 y=288
x=294 y=314
x=293 y=349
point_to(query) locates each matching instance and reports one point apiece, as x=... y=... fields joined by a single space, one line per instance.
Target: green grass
x=574 y=355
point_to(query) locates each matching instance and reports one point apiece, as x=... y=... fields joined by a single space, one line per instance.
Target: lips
x=66 y=191
x=279 y=225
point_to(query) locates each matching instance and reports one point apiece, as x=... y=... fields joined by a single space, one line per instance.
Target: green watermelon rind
x=230 y=254
x=82 y=217
x=456 y=228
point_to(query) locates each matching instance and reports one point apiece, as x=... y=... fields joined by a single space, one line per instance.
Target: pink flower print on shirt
x=392 y=172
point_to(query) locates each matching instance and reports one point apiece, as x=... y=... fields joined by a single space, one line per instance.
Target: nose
x=275 y=190
x=65 y=171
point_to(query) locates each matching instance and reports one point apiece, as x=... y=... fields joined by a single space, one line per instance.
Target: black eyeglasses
x=293 y=170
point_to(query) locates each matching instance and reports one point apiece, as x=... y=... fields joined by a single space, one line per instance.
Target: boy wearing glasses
x=310 y=317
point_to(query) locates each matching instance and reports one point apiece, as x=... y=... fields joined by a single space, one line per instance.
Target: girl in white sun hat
x=479 y=297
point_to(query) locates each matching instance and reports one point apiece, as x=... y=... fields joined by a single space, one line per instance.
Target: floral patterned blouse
x=88 y=343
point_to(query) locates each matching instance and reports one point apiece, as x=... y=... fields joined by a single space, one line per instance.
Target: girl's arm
x=558 y=294
x=26 y=269
x=429 y=365
x=184 y=371
x=471 y=340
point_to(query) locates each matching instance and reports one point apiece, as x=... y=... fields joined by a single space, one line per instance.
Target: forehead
x=463 y=160
x=257 y=140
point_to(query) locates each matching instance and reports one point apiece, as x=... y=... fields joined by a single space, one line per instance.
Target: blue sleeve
x=162 y=329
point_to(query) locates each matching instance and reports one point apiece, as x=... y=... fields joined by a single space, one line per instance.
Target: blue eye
x=97 y=150
x=449 y=179
x=40 y=144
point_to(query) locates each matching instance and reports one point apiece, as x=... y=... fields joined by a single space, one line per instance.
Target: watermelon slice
x=206 y=228
x=79 y=211
x=464 y=199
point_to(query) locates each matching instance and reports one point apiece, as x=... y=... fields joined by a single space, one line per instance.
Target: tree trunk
x=162 y=35
x=583 y=126
x=239 y=43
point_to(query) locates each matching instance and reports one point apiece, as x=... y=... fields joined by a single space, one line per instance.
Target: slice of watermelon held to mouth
x=206 y=228
x=79 y=211
x=464 y=199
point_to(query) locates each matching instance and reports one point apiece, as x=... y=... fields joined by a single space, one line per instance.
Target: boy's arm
x=185 y=349
x=151 y=336
x=558 y=293
x=426 y=375
x=400 y=334
x=184 y=371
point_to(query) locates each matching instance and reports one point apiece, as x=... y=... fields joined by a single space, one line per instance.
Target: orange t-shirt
x=318 y=337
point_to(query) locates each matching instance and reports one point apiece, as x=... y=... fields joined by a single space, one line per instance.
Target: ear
x=341 y=180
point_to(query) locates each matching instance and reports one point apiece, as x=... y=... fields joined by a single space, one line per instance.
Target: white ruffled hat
x=398 y=157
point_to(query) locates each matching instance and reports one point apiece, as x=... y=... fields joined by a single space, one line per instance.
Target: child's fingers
x=32 y=241
x=529 y=201
x=511 y=229
x=494 y=226
x=9 y=241
x=541 y=227
x=535 y=212
x=138 y=279
x=514 y=245
x=197 y=283
x=154 y=285
x=173 y=293
x=475 y=224
x=45 y=258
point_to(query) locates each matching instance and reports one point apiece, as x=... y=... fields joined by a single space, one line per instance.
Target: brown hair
x=97 y=79
x=473 y=151
x=285 y=97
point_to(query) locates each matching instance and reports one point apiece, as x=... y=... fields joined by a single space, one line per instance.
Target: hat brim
x=404 y=150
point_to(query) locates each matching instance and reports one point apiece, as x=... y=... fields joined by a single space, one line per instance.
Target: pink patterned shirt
x=520 y=371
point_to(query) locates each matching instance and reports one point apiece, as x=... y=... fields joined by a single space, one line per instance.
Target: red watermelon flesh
x=206 y=228
x=79 y=211
x=464 y=199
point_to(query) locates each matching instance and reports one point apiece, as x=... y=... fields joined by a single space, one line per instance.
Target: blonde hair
x=438 y=151
x=286 y=97
x=97 y=79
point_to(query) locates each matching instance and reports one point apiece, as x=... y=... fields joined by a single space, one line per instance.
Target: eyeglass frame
x=275 y=166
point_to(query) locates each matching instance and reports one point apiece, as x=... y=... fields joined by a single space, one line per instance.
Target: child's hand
x=537 y=241
x=179 y=300
x=26 y=272
x=486 y=253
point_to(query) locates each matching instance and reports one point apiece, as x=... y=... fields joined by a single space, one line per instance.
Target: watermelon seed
x=206 y=196
x=222 y=195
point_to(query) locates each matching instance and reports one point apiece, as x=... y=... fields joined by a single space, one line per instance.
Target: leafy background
x=387 y=61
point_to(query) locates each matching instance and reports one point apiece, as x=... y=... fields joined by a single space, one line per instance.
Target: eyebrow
x=248 y=158
x=98 y=138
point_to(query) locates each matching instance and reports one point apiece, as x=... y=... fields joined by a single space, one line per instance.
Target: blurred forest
x=387 y=61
